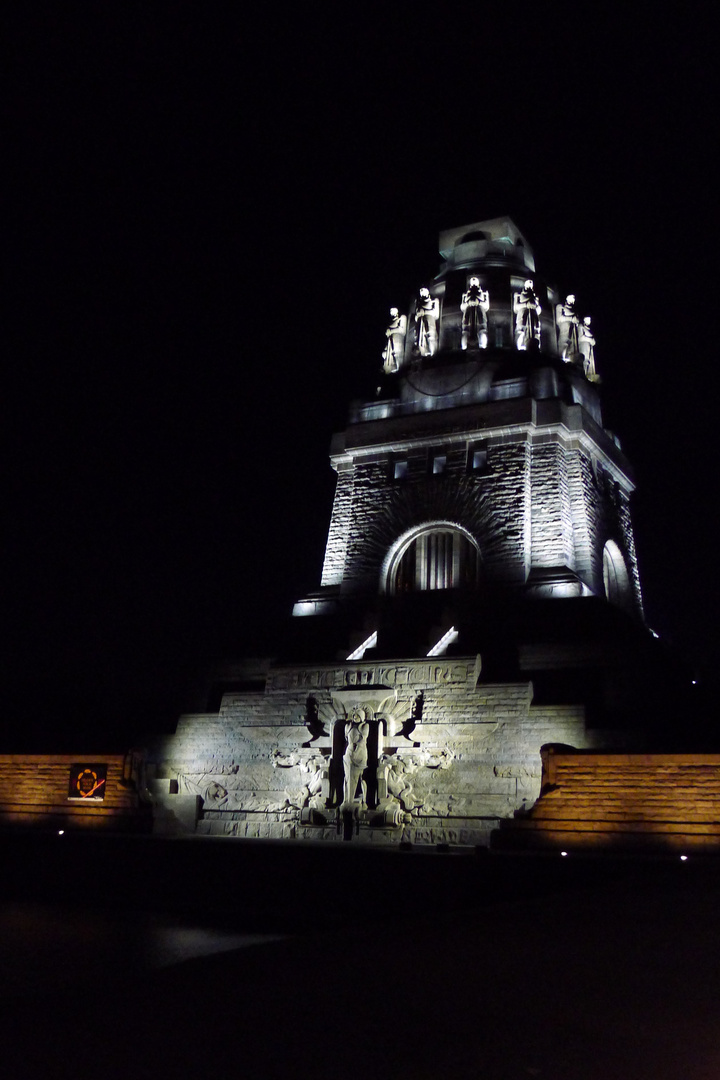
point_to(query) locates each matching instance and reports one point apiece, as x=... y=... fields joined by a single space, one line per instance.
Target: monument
x=480 y=597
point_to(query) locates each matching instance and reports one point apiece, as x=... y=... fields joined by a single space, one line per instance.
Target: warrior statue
x=586 y=345
x=527 y=310
x=474 y=307
x=427 y=313
x=395 y=345
x=567 y=329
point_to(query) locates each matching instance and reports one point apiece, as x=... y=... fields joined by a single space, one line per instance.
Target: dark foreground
x=407 y=964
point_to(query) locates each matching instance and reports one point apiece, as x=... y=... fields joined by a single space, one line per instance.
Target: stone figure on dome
x=474 y=306
x=586 y=346
x=427 y=313
x=395 y=344
x=355 y=758
x=567 y=329
x=527 y=322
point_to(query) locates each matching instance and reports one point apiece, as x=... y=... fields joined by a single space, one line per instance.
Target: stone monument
x=479 y=598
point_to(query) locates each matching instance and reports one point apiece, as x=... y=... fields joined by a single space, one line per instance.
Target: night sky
x=210 y=213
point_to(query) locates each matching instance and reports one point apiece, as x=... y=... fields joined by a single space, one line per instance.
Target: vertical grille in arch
x=436 y=559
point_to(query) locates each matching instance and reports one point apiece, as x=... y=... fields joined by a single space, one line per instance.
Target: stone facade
x=263 y=766
x=479 y=584
x=553 y=491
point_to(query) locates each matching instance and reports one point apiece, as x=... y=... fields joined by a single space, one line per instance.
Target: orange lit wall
x=34 y=792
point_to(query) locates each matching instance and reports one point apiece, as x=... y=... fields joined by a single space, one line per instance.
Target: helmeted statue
x=567 y=329
x=395 y=345
x=527 y=311
x=355 y=758
x=586 y=346
x=474 y=306
x=427 y=313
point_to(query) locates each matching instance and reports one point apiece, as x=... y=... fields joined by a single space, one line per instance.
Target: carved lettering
x=393 y=675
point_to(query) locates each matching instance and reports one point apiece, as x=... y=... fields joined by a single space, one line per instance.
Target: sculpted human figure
x=527 y=311
x=399 y=784
x=474 y=306
x=395 y=345
x=310 y=794
x=567 y=329
x=427 y=313
x=355 y=757
x=586 y=345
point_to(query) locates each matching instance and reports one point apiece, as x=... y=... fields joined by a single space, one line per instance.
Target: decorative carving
x=474 y=306
x=415 y=717
x=216 y=793
x=437 y=759
x=371 y=675
x=398 y=771
x=355 y=757
x=586 y=345
x=312 y=793
x=313 y=722
x=527 y=322
x=427 y=313
x=567 y=329
x=213 y=794
x=284 y=761
x=395 y=345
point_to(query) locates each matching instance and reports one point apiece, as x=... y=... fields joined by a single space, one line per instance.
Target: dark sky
x=209 y=214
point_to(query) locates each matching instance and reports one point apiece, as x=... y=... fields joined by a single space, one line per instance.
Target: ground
x=502 y=967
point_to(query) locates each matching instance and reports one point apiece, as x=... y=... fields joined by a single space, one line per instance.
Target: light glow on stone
x=447 y=639
x=683 y=858
x=563 y=852
x=368 y=643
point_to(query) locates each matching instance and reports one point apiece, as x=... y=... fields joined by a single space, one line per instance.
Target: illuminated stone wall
x=548 y=497
x=481 y=477
x=473 y=758
x=372 y=510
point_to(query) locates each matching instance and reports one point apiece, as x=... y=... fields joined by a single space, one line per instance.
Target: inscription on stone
x=372 y=675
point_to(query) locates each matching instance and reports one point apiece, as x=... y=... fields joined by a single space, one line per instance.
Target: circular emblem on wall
x=87 y=782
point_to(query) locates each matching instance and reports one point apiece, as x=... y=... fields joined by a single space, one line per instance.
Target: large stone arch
x=434 y=555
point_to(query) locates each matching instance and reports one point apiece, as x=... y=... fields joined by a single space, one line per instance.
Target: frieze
x=375 y=675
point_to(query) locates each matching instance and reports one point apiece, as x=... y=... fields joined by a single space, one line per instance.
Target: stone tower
x=480 y=596
x=482 y=467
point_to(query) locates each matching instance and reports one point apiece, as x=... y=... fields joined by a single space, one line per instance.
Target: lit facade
x=479 y=598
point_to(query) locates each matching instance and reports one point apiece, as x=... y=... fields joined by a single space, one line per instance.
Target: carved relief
x=360 y=769
x=355 y=758
x=284 y=761
x=371 y=675
x=394 y=774
x=313 y=722
x=437 y=759
x=415 y=717
x=314 y=792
